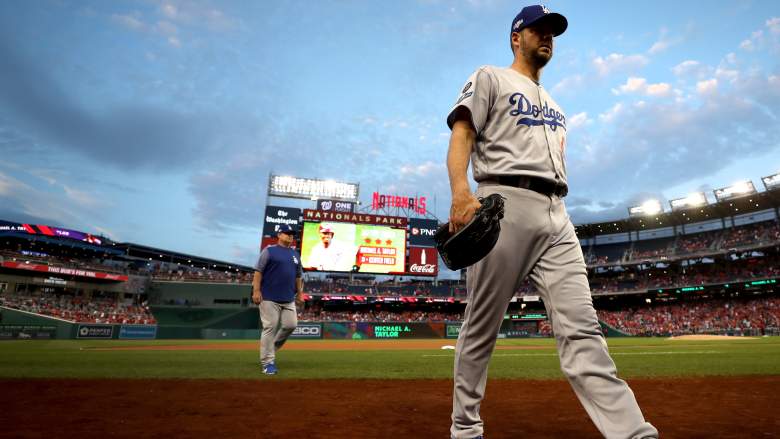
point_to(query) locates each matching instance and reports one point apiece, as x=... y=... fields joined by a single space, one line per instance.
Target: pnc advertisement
x=345 y=247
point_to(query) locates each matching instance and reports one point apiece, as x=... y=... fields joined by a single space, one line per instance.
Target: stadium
x=329 y=219
x=674 y=288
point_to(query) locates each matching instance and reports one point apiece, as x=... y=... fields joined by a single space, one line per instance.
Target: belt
x=536 y=184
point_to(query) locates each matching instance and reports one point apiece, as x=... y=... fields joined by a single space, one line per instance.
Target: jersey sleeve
x=262 y=260
x=477 y=96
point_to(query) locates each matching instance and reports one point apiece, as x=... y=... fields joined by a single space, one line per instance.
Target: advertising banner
x=95 y=331
x=40 y=229
x=349 y=247
x=421 y=232
x=275 y=216
x=29 y=332
x=63 y=270
x=423 y=261
x=307 y=330
x=453 y=330
x=362 y=218
x=335 y=206
x=389 y=330
x=138 y=332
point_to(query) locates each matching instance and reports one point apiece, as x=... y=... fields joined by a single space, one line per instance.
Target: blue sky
x=158 y=122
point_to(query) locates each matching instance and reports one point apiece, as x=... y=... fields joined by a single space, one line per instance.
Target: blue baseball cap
x=284 y=228
x=532 y=14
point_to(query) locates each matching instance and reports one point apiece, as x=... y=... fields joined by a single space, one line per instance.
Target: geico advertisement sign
x=307 y=331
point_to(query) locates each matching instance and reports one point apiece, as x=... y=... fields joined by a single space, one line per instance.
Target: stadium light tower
x=648 y=208
x=738 y=189
x=696 y=199
x=771 y=182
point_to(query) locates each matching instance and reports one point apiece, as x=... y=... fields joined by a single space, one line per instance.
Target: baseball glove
x=476 y=239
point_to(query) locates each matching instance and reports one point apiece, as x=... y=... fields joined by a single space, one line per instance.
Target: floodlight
x=649 y=207
x=695 y=199
x=771 y=182
x=737 y=189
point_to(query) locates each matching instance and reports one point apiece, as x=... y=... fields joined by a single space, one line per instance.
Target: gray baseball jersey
x=507 y=111
x=522 y=131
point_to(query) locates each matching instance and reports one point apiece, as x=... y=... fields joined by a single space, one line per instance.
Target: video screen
x=345 y=247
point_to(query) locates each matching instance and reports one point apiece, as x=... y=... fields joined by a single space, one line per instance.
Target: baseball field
x=687 y=387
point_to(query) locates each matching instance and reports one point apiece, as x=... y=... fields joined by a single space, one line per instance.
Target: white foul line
x=611 y=353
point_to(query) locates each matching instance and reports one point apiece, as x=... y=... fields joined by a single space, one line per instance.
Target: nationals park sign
x=357 y=218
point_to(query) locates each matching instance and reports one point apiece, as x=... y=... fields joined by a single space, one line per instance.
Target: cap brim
x=559 y=22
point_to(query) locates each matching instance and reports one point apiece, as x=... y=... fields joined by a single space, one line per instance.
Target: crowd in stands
x=751 y=235
x=80 y=309
x=378 y=316
x=185 y=273
x=694 y=275
x=713 y=316
x=696 y=243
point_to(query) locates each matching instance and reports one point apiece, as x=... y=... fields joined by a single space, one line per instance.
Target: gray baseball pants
x=538 y=240
x=279 y=321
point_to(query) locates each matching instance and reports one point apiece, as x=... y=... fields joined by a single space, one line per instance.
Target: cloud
x=707 y=87
x=195 y=13
x=617 y=62
x=578 y=120
x=610 y=115
x=664 y=42
x=774 y=25
x=422 y=170
x=640 y=86
x=662 y=143
x=568 y=84
x=131 y=21
x=127 y=136
x=694 y=69
x=22 y=202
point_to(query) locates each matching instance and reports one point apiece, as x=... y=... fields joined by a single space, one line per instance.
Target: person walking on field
x=276 y=288
x=514 y=134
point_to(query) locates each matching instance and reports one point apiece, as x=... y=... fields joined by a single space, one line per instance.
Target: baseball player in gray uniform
x=514 y=134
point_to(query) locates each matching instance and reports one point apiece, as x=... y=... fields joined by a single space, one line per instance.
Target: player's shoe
x=270 y=369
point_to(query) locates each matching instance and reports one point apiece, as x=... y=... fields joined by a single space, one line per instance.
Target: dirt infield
x=317 y=345
x=271 y=408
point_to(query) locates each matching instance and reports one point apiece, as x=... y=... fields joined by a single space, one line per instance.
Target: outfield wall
x=222 y=323
x=20 y=325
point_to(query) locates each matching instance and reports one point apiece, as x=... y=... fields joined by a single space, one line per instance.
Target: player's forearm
x=461 y=144
x=299 y=285
x=256 y=281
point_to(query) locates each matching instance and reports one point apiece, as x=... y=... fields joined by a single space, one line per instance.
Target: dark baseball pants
x=538 y=240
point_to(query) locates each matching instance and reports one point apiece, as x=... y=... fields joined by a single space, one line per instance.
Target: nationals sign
x=362 y=218
x=423 y=261
x=380 y=201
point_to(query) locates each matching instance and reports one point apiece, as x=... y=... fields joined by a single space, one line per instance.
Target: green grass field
x=635 y=357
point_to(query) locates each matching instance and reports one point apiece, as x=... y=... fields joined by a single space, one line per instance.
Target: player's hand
x=257 y=297
x=464 y=205
x=299 y=302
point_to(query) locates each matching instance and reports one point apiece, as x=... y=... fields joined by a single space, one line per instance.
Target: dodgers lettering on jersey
x=520 y=129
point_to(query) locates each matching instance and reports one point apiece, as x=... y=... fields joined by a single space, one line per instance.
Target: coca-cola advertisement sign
x=423 y=261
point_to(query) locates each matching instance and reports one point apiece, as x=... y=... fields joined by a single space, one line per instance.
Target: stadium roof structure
x=64 y=242
x=157 y=254
x=746 y=204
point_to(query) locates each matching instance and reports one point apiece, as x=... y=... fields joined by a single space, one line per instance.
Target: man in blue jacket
x=277 y=287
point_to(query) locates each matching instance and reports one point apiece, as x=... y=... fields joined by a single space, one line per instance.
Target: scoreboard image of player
x=349 y=247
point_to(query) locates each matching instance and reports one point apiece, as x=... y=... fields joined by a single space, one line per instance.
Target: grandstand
x=711 y=268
